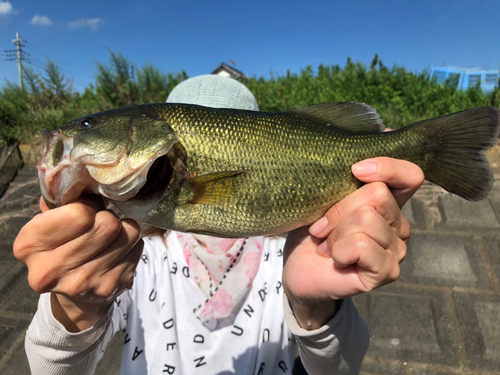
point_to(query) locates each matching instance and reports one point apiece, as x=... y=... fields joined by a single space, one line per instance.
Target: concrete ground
x=441 y=317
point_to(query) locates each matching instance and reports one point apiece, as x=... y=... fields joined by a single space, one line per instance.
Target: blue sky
x=261 y=36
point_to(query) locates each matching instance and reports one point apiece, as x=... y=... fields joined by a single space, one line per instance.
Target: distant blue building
x=466 y=77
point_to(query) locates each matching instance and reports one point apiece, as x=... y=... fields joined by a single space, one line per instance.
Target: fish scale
x=244 y=173
x=251 y=146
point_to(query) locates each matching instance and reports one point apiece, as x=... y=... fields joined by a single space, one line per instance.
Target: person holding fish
x=223 y=292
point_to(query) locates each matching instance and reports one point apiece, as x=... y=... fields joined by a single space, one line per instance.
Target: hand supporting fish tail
x=355 y=247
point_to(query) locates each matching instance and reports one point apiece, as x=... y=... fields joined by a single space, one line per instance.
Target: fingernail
x=318 y=227
x=364 y=169
x=323 y=248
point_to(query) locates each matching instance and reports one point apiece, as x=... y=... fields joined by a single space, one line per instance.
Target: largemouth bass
x=233 y=173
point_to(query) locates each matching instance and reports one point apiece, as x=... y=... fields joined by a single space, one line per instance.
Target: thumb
x=401 y=176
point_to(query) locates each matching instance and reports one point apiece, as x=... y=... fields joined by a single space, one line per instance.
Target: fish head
x=108 y=153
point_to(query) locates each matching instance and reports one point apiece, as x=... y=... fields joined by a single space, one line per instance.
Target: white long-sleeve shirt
x=163 y=336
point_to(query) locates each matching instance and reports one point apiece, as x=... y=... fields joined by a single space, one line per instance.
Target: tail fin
x=457 y=162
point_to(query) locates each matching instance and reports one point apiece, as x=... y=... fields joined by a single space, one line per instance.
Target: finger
x=368 y=221
x=376 y=195
x=123 y=272
x=375 y=265
x=104 y=232
x=375 y=228
x=360 y=249
x=403 y=177
x=48 y=268
x=102 y=275
x=127 y=239
x=55 y=227
x=52 y=228
x=81 y=284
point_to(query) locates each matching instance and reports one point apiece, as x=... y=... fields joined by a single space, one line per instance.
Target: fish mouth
x=55 y=170
x=162 y=173
x=158 y=179
x=63 y=180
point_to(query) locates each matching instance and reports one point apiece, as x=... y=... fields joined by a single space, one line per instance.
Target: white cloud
x=6 y=8
x=93 y=23
x=41 y=21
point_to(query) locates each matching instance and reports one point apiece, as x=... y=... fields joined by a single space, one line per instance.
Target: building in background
x=228 y=71
x=466 y=77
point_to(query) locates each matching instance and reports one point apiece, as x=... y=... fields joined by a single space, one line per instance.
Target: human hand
x=366 y=237
x=81 y=253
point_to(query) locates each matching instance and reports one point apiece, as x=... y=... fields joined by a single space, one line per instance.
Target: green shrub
x=49 y=101
x=401 y=97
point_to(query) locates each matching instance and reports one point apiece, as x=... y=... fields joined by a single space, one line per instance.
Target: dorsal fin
x=349 y=116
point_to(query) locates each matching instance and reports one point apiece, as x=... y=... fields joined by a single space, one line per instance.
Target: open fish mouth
x=162 y=173
x=55 y=168
x=158 y=178
x=63 y=181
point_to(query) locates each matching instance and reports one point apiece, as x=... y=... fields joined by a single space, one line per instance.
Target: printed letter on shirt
x=174 y=268
x=265 y=335
x=137 y=353
x=169 y=369
x=262 y=293
x=278 y=287
x=200 y=361
x=199 y=339
x=168 y=324
x=152 y=295
x=282 y=365
x=261 y=369
x=239 y=331
x=248 y=311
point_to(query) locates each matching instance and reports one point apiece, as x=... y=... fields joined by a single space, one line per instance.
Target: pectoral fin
x=214 y=188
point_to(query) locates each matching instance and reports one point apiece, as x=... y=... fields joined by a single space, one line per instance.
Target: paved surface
x=441 y=317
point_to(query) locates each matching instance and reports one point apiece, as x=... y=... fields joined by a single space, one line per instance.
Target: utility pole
x=18 y=55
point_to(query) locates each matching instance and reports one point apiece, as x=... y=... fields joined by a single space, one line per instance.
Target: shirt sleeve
x=51 y=349
x=336 y=348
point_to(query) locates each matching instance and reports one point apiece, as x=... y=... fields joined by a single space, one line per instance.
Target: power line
x=63 y=69
x=41 y=67
x=18 y=55
x=45 y=54
x=64 y=66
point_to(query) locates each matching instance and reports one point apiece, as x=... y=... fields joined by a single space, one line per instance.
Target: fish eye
x=86 y=123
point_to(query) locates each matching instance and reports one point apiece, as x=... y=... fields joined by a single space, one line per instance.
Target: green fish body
x=234 y=173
